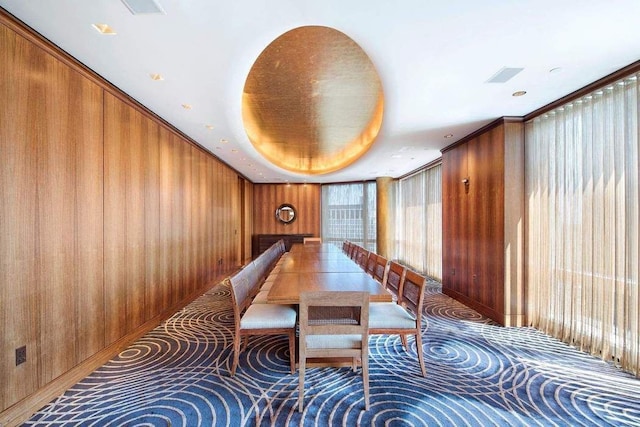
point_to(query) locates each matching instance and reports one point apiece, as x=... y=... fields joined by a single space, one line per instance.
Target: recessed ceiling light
x=224 y=141
x=396 y=156
x=157 y=77
x=449 y=135
x=234 y=150
x=104 y=29
x=555 y=70
x=218 y=148
x=186 y=106
x=519 y=93
x=210 y=127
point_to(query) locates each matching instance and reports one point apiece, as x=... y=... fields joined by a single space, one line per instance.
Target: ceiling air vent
x=504 y=75
x=144 y=7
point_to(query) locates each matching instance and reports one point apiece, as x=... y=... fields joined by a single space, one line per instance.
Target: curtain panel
x=582 y=223
x=419 y=221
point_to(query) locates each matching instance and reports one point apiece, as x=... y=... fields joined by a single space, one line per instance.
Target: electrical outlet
x=21 y=355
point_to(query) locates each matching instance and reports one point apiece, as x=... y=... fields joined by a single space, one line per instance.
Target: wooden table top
x=314 y=248
x=300 y=274
x=310 y=264
x=287 y=287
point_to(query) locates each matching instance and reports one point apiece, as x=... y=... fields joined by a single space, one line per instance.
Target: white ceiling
x=433 y=57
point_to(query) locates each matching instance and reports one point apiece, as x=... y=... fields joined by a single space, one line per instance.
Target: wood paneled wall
x=247 y=219
x=482 y=222
x=109 y=219
x=306 y=198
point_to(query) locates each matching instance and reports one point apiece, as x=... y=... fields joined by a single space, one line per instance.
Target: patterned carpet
x=479 y=374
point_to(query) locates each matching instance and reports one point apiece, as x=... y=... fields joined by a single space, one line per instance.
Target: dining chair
x=353 y=251
x=339 y=336
x=362 y=257
x=345 y=246
x=393 y=280
x=258 y=319
x=404 y=317
x=380 y=268
x=370 y=265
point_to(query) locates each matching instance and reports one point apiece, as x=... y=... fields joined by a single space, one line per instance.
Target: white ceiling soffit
x=434 y=59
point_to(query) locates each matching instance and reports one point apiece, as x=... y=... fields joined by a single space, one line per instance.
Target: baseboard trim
x=480 y=308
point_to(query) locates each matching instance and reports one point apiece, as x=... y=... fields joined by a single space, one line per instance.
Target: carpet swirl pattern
x=478 y=374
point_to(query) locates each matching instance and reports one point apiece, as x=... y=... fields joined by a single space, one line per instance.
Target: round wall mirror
x=286 y=213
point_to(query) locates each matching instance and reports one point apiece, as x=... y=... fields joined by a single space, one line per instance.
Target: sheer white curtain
x=349 y=213
x=582 y=223
x=419 y=221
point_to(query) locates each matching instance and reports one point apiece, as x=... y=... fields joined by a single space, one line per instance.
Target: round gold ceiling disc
x=312 y=102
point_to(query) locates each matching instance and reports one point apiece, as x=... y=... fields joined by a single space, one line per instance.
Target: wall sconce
x=465 y=181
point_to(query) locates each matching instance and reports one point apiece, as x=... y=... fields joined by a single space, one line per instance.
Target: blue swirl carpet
x=478 y=374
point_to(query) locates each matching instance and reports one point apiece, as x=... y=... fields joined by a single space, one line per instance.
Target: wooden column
x=384 y=220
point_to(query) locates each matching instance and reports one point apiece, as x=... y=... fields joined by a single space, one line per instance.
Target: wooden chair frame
x=380 y=269
x=411 y=299
x=242 y=286
x=394 y=277
x=325 y=326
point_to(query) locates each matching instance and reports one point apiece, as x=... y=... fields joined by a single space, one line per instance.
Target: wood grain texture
x=474 y=224
x=153 y=267
x=165 y=270
x=18 y=210
x=89 y=266
x=305 y=198
x=454 y=219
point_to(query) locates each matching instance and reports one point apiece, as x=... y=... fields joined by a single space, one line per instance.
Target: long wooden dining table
x=321 y=267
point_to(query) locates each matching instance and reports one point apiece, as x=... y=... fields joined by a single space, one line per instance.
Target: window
x=349 y=213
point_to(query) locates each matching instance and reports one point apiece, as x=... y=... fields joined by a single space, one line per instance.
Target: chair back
x=243 y=286
x=361 y=257
x=346 y=246
x=380 y=268
x=352 y=318
x=311 y=240
x=395 y=276
x=353 y=251
x=371 y=263
x=413 y=293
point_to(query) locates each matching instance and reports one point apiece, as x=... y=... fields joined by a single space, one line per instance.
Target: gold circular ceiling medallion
x=312 y=102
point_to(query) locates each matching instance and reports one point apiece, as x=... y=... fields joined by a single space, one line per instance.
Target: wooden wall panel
x=305 y=198
x=18 y=192
x=124 y=218
x=247 y=220
x=55 y=159
x=454 y=219
x=153 y=277
x=475 y=225
x=89 y=267
x=51 y=226
x=166 y=275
